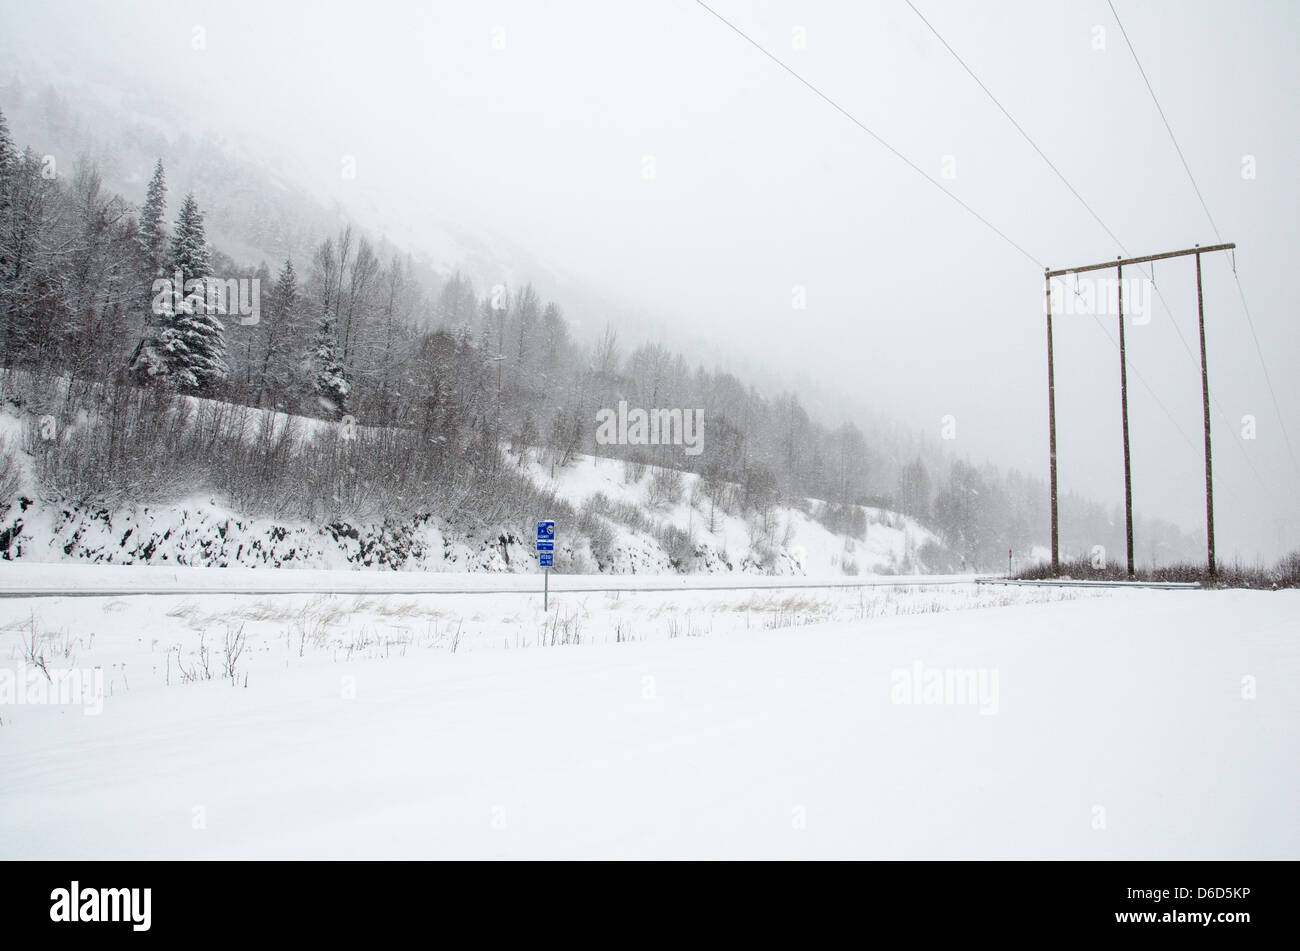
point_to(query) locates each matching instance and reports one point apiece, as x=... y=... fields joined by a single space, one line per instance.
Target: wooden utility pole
x=1205 y=404
x=1123 y=376
x=1123 y=403
x=1051 y=425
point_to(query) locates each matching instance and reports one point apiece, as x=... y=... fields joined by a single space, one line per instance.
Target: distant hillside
x=354 y=327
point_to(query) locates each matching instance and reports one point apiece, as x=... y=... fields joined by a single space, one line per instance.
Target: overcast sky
x=537 y=121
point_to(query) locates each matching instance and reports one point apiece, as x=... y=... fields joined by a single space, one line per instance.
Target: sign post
x=546 y=557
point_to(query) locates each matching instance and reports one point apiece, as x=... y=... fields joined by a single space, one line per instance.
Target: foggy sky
x=914 y=308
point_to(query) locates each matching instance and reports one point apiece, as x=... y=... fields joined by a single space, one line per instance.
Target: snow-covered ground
x=914 y=722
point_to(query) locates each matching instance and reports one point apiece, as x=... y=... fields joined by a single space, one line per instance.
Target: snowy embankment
x=203 y=531
x=1133 y=724
x=724 y=540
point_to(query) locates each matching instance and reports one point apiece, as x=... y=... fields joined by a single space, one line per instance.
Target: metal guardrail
x=1084 y=583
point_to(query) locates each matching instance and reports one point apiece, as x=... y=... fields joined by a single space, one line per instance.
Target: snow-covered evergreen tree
x=8 y=157
x=329 y=377
x=271 y=373
x=27 y=266
x=189 y=246
x=192 y=343
x=153 y=233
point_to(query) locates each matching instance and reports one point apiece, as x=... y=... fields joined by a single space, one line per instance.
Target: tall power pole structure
x=1123 y=377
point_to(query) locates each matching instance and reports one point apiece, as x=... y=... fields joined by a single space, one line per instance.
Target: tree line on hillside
x=478 y=378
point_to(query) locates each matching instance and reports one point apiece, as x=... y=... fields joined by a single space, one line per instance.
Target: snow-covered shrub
x=625 y=513
x=849 y=520
x=665 y=488
x=678 y=546
x=10 y=472
x=633 y=469
x=118 y=443
x=599 y=535
x=1287 y=573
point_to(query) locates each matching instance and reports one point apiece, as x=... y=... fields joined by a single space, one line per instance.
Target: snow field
x=1122 y=724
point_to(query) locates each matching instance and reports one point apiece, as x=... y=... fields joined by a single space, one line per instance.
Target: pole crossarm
x=1141 y=260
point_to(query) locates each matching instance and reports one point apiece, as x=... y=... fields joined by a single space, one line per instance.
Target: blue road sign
x=545 y=531
x=546 y=559
x=546 y=546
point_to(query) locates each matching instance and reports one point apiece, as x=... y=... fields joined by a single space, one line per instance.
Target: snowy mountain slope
x=258 y=208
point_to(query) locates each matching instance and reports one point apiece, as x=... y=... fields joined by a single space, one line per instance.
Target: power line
x=988 y=224
x=1022 y=132
x=1147 y=386
x=1187 y=168
x=1263 y=366
x=1150 y=275
x=844 y=112
x=1259 y=351
x=1223 y=416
